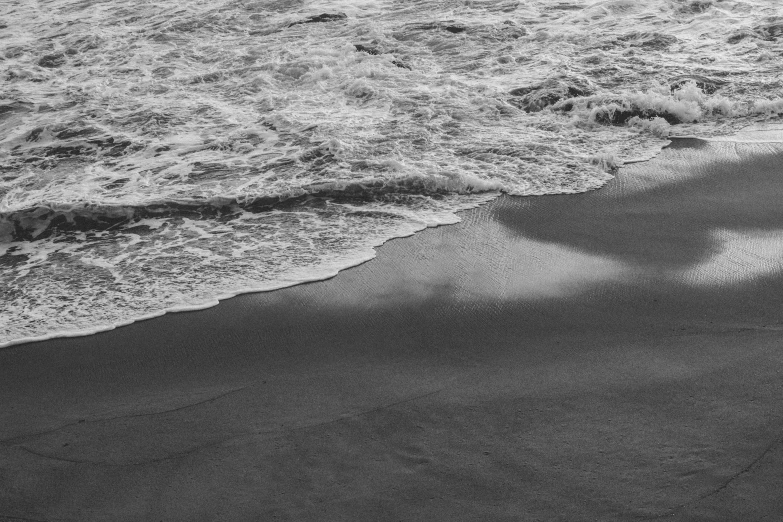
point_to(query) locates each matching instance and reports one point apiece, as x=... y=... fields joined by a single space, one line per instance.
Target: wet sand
x=615 y=355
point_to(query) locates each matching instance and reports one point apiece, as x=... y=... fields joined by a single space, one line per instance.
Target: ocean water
x=161 y=155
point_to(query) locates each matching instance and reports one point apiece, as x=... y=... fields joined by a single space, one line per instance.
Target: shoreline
x=608 y=355
x=760 y=129
x=370 y=254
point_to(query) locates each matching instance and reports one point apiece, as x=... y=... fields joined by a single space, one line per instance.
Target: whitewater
x=164 y=155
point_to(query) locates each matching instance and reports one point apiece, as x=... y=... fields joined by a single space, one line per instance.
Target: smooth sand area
x=615 y=355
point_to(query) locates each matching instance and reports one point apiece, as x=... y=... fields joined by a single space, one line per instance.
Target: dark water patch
x=454 y=28
x=696 y=6
x=402 y=65
x=375 y=51
x=150 y=121
x=495 y=7
x=513 y=31
x=82 y=5
x=106 y=147
x=14 y=51
x=771 y=29
x=321 y=18
x=117 y=183
x=207 y=78
x=367 y=49
x=210 y=170
x=686 y=143
x=59 y=142
x=17 y=107
x=365 y=165
x=12 y=260
x=741 y=35
x=538 y=97
x=88 y=43
x=646 y=40
x=76 y=133
x=565 y=7
x=54 y=220
x=24 y=75
x=527 y=152
x=51 y=61
x=275 y=6
x=162 y=72
x=165 y=38
x=83 y=44
x=59 y=220
x=450 y=26
x=317 y=159
x=56 y=36
x=44 y=222
x=189 y=26
x=508 y=30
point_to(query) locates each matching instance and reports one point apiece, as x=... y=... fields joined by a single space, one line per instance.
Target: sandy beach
x=613 y=355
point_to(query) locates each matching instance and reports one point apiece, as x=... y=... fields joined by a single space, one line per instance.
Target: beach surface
x=612 y=355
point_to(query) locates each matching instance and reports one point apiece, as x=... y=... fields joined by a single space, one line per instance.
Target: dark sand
x=615 y=355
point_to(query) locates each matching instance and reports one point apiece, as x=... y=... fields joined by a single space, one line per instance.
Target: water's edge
x=757 y=133
x=369 y=254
